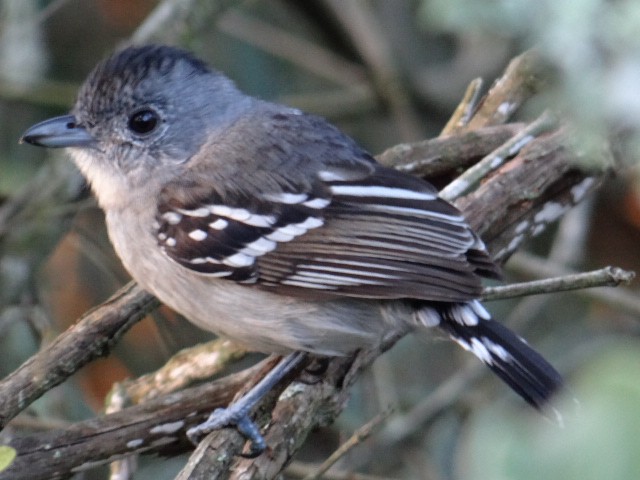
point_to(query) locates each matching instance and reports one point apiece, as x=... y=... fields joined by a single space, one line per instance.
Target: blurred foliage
x=55 y=261
x=593 y=44
x=598 y=439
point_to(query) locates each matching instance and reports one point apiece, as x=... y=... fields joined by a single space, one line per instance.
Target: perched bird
x=271 y=227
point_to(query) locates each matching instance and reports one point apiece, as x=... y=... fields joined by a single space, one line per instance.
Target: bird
x=271 y=227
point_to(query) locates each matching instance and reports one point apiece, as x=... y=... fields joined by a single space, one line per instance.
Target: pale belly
x=261 y=320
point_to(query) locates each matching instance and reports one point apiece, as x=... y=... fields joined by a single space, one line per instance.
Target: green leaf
x=7 y=455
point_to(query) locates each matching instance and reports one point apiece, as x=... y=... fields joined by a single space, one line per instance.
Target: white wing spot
x=202 y=260
x=198 y=235
x=309 y=223
x=219 y=224
x=287 y=233
x=243 y=215
x=279 y=236
x=317 y=203
x=239 y=260
x=173 y=218
x=259 y=247
x=294 y=230
x=198 y=212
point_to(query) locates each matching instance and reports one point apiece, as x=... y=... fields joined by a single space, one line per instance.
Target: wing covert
x=333 y=223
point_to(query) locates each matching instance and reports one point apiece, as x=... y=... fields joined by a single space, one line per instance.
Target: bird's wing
x=348 y=229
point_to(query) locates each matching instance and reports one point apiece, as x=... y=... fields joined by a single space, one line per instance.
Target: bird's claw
x=231 y=417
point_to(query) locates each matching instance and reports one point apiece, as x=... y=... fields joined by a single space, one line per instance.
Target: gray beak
x=58 y=132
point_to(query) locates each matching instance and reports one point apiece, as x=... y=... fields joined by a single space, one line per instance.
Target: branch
x=156 y=426
x=444 y=155
x=472 y=177
x=619 y=298
x=361 y=26
x=523 y=78
x=464 y=111
x=605 y=277
x=357 y=438
x=92 y=337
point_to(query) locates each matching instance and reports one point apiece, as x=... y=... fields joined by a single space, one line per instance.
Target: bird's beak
x=58 y=132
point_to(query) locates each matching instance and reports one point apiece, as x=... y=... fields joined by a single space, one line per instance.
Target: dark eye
x=143 y=121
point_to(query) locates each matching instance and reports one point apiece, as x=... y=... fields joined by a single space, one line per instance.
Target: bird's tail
x=508 y=355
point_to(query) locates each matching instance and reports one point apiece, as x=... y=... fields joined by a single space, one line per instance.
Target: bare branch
x=357 y=438
x=470 y=179
x=443 y=155
x=93 y=336
x=186 y=367
x=363 y=29
x=522 y=79
x=464 y=111
x=303 y=53
x=531 y=265
x=605 y=277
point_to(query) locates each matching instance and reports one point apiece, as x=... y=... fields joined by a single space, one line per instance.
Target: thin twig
x=363 y=28
x=301 y=470
x=405 y=425
x=567 y=249
x=92 y=336
x=605 y=277
x=464 y=111
x=619 y=298
x=357 y=438
x=186 y=367
x=465 y=182
x=523 y=78
x=299 y=51
x=189 y=365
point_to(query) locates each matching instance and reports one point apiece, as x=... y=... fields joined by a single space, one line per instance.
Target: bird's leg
x=237 y=414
